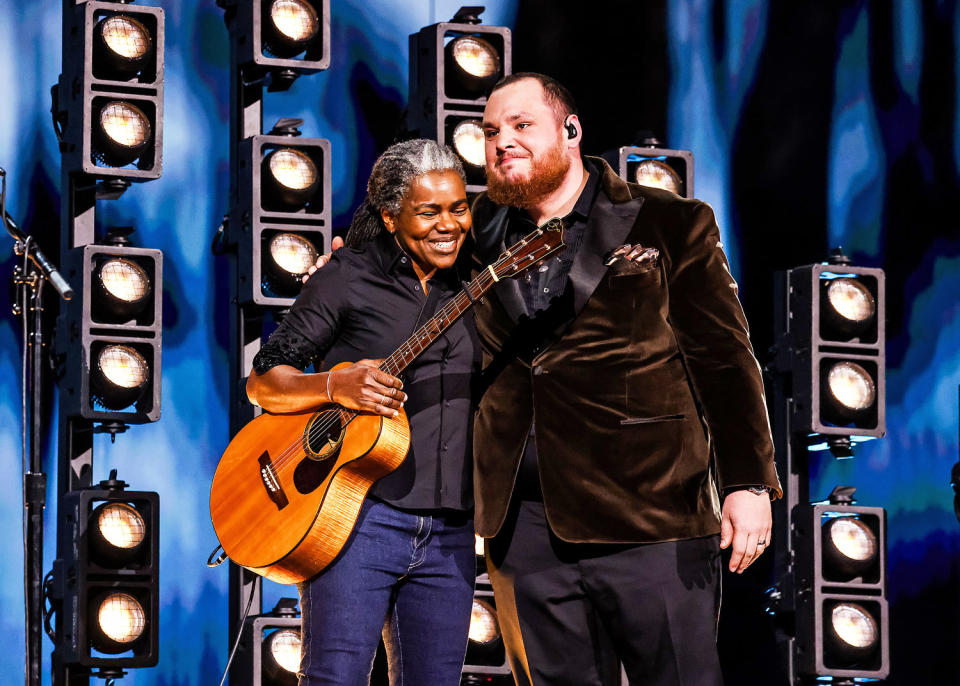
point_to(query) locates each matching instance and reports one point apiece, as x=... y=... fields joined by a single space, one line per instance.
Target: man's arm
x=713 y=337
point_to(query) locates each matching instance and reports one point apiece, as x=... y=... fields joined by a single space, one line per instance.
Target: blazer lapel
x=607 y=228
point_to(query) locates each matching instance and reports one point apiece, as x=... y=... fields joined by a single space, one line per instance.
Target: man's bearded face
x=526 y=153
x=545 y=174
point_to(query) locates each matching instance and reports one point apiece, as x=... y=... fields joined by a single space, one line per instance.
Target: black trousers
x=568 y=611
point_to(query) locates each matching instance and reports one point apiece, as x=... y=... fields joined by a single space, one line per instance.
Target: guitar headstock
x=530 y=250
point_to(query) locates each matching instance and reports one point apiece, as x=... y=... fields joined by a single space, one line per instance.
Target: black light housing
x=109 y=102
x=279 y=39
x=286 y=209
x=453 y=66
x=270 y=645
x=113 y=336
x=836 y=340
x=108 y=582
x=842 y=623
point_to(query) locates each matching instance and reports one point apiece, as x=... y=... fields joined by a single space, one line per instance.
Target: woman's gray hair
x=392 y=174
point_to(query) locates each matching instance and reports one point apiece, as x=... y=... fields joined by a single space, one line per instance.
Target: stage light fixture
x=292 y=178
x=485 y=652
x=290 y=255
x=468 y=142
x=122 y=288
x=279 y=39
x=112 y=335
x=117 y=533
x=472 y=66
x=656 y=167
x=108 y=579
x=123 y=134
x=842 y=627
x=484 y=626
x=833 y=350
x=120 y=620
x=120 y=376
x=290 y=27
x=282 y=650
x=453 y=66
x=658 y=174
x=285 y=207
x=122 y=43
x=109 y=101
x=850 y=548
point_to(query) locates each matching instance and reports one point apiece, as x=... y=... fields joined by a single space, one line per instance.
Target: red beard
x=546 y=174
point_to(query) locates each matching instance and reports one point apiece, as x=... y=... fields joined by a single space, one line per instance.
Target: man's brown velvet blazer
x=647 y=396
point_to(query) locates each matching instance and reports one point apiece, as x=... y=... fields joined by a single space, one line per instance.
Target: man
x=622 y=390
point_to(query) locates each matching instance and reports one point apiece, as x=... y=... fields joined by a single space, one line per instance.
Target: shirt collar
x=394 y=259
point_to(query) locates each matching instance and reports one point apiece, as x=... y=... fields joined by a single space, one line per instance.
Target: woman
x=410 y=559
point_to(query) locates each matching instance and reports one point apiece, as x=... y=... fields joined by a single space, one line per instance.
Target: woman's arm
x=359 y=386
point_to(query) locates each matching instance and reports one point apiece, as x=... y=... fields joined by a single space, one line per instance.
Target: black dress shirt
x=540 y=288
x=364 y=304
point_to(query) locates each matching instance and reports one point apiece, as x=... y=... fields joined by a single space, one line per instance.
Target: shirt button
x=444 y=446
x=403 y=260
x=447 y=403
x=546 y=290
x=416 y=288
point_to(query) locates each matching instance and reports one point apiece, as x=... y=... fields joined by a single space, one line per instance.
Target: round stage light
x=123 y=44
x=851 y=307
x=122 y=289
x=120 y=621
x=484 y=627
x=658 y=174
x=292 y=177
x=476 y=57
x=121 y=525
x=468 y=141
x=473 y=66
x=121 y=376
x=853 y=632
x=850 y=547
x=286 y=648
x=292 y=253
x=123 y=133
x=851 y=388
x=290 y=27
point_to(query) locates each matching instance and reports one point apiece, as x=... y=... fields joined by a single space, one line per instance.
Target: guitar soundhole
x=323 y=436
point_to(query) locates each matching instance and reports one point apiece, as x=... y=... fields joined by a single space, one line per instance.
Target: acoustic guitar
x=288 y=489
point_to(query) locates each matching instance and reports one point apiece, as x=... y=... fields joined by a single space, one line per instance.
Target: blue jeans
x=406 y=576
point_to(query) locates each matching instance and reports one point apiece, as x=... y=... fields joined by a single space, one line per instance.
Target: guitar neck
x=423 y=337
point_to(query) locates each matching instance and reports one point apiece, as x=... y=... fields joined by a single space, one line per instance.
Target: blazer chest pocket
x=634 y=280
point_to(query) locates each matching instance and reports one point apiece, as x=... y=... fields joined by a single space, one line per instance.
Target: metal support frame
x=246 y=321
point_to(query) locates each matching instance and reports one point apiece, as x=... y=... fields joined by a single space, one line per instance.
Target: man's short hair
x=557 y=95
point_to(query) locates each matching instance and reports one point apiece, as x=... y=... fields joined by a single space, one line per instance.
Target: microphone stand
x=29 y=279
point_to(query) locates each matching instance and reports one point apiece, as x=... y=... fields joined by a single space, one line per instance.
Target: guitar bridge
x=268 y=477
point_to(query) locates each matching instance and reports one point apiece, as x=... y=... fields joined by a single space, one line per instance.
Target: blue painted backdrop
x=885 y=108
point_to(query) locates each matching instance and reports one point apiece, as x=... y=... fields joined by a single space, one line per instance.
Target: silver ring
x=762 y=542
x=382 y=398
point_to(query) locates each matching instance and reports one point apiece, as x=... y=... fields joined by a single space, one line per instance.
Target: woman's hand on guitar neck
x=362 y=386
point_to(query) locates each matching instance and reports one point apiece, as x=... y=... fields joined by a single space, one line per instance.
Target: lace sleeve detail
x=285 y=346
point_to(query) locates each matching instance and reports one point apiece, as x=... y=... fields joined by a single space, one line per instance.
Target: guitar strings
x=324 y=425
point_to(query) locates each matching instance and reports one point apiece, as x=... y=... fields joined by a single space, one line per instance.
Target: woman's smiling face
x=433 y=221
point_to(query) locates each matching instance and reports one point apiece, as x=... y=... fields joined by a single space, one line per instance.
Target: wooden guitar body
x=286 y=495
